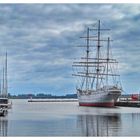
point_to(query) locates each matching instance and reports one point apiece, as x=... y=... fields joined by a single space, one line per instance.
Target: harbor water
x=68 y=119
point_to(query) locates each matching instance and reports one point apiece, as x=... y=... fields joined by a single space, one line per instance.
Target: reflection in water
x=52 y=119
x=94 y=125
x=3 y=126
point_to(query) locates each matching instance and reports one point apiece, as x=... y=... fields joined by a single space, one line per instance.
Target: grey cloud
x=41 y=40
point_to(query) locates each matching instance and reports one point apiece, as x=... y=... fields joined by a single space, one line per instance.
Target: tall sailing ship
x=97 y=70
x=4 y=101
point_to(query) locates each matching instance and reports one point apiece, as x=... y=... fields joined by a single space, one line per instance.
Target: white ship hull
x=98 y=98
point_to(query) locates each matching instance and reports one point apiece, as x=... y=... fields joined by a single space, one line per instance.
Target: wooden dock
x=128 y=103
x=52 y=100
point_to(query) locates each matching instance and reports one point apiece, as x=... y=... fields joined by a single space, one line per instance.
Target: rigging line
x=93 y=79
x=101 y=76
x=92 y=82
x=115 y=71
x=83 y=79
x=90 y=26
x=93 y=71
x=101 y=81
x=78 y=79
x=114 y=77
x=99 y=71
x=119 y=79
x=112 y=67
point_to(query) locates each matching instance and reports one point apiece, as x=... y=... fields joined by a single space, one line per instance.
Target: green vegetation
x=42 y=96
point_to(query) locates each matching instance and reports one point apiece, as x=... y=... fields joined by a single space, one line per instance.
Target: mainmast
x=108 y=44
x=98 y=55
x=87 y=71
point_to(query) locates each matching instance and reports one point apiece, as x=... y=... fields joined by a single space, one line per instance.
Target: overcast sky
x=41 y=39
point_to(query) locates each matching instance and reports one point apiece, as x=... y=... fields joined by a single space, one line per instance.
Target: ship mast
x=87 y=70
x=108 y=44
x=3 y=83
x=6 y=83
x=0 y=87
x=4 y=79
x=98 y=55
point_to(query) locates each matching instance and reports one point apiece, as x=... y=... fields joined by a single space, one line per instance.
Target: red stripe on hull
x=108 y=104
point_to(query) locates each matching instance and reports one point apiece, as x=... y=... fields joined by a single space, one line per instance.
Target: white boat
x=99 y=83
x=3 y=111
x=4 y=102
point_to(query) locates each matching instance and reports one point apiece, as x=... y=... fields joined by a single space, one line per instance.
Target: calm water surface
x=68 y=119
